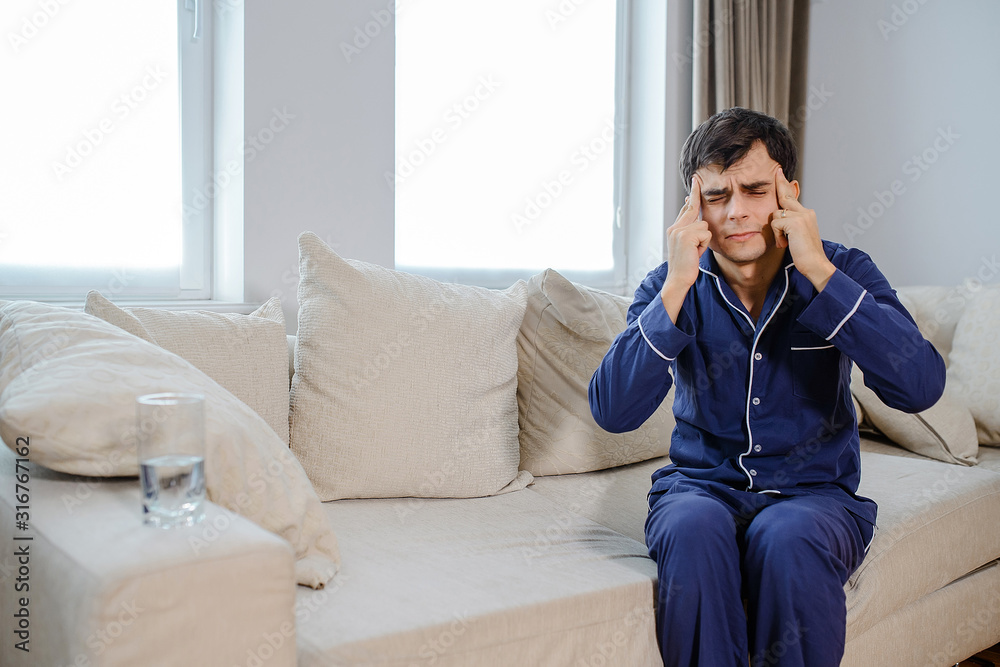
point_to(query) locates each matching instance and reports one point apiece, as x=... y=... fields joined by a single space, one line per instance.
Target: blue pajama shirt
x=763 y=414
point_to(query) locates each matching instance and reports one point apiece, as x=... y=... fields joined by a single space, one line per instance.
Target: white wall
x=898 y=88
x=323 y=172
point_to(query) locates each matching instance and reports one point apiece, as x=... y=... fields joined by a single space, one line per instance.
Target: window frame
x=195 y=53
x=195 y=76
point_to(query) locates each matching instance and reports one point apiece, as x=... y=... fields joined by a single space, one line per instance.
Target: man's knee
x=688 y=521
x=790 y=538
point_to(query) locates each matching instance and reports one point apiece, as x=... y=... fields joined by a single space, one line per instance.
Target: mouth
x=744 y=236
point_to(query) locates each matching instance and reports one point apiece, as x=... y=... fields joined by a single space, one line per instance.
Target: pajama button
x=758 y=356
x=756 y=448
x=753 y=473
x=756 y=401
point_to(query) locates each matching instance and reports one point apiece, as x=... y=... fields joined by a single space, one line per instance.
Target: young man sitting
x=757 y=320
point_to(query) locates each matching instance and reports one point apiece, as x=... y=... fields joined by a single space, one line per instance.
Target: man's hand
x=795 y=227
x=687 y=241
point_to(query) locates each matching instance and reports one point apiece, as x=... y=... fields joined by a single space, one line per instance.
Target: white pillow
x=403 y=386
x=566 y=331
x=246 y=354
x=69 y=382
x=975 y=363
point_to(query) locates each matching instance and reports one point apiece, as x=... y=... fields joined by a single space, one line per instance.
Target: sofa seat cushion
x=932 y=530
x=931 y=522
x=989 y=459
x=505 y=580
x=615 y=497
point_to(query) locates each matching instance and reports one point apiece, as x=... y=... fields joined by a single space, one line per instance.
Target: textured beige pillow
x=403 y=386
x=945 y=431
x=246 y=354
x=68 y=381
x=567 y=330
x=975 y=363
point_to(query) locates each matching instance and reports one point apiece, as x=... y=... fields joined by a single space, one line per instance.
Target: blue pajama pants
x=787 y=556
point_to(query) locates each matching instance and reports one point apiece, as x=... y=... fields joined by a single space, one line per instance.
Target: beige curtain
x=751 y=53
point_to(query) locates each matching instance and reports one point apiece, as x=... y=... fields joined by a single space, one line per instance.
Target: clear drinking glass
x=170 y=430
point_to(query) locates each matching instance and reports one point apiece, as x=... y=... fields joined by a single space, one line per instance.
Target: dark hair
x=726 y=138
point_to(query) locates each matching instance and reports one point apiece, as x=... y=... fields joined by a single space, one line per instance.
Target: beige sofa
x=553 y=574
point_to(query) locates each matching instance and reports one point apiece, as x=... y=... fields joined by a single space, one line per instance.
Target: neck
x=750 y=280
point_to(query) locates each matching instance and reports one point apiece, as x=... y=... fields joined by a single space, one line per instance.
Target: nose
x=738 y=207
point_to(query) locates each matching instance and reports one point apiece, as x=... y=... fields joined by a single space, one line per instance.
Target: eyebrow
x=756 y=185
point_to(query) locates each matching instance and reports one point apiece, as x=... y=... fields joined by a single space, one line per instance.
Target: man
x=757 y=320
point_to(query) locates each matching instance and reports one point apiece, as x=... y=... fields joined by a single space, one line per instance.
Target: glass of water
x=170 y=434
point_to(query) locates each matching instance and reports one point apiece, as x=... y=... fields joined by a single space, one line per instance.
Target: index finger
x=785 y=192
x=695 y=200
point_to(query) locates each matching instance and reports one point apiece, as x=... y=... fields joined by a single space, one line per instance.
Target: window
x=93 y=173
x=508 y=139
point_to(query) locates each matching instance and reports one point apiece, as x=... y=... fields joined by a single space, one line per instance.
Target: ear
x=795 y=184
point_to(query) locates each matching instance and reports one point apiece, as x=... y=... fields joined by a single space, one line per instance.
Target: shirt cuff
x=833 y=307
x=662 y=335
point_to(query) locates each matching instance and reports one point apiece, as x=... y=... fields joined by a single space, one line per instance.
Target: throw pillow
x=246 y=354
x=945 y=431
x=403 y=386
x=567 y=330
x=69 y=381
x=975 y=363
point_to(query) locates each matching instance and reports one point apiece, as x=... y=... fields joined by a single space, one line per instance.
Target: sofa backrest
x=938 y=309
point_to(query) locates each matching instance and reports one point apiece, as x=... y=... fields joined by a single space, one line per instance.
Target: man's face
x=737 y=204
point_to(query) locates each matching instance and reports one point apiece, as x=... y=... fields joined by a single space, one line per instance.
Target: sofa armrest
x=98 y=588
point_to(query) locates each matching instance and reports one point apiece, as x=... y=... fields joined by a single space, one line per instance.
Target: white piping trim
x=753 y=349
x=719 y=286
x=874 y=530
x=821 y=347
x=651 y=346
x=848 y=316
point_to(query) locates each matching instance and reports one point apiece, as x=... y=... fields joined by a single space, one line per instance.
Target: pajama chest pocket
x=815 y=367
